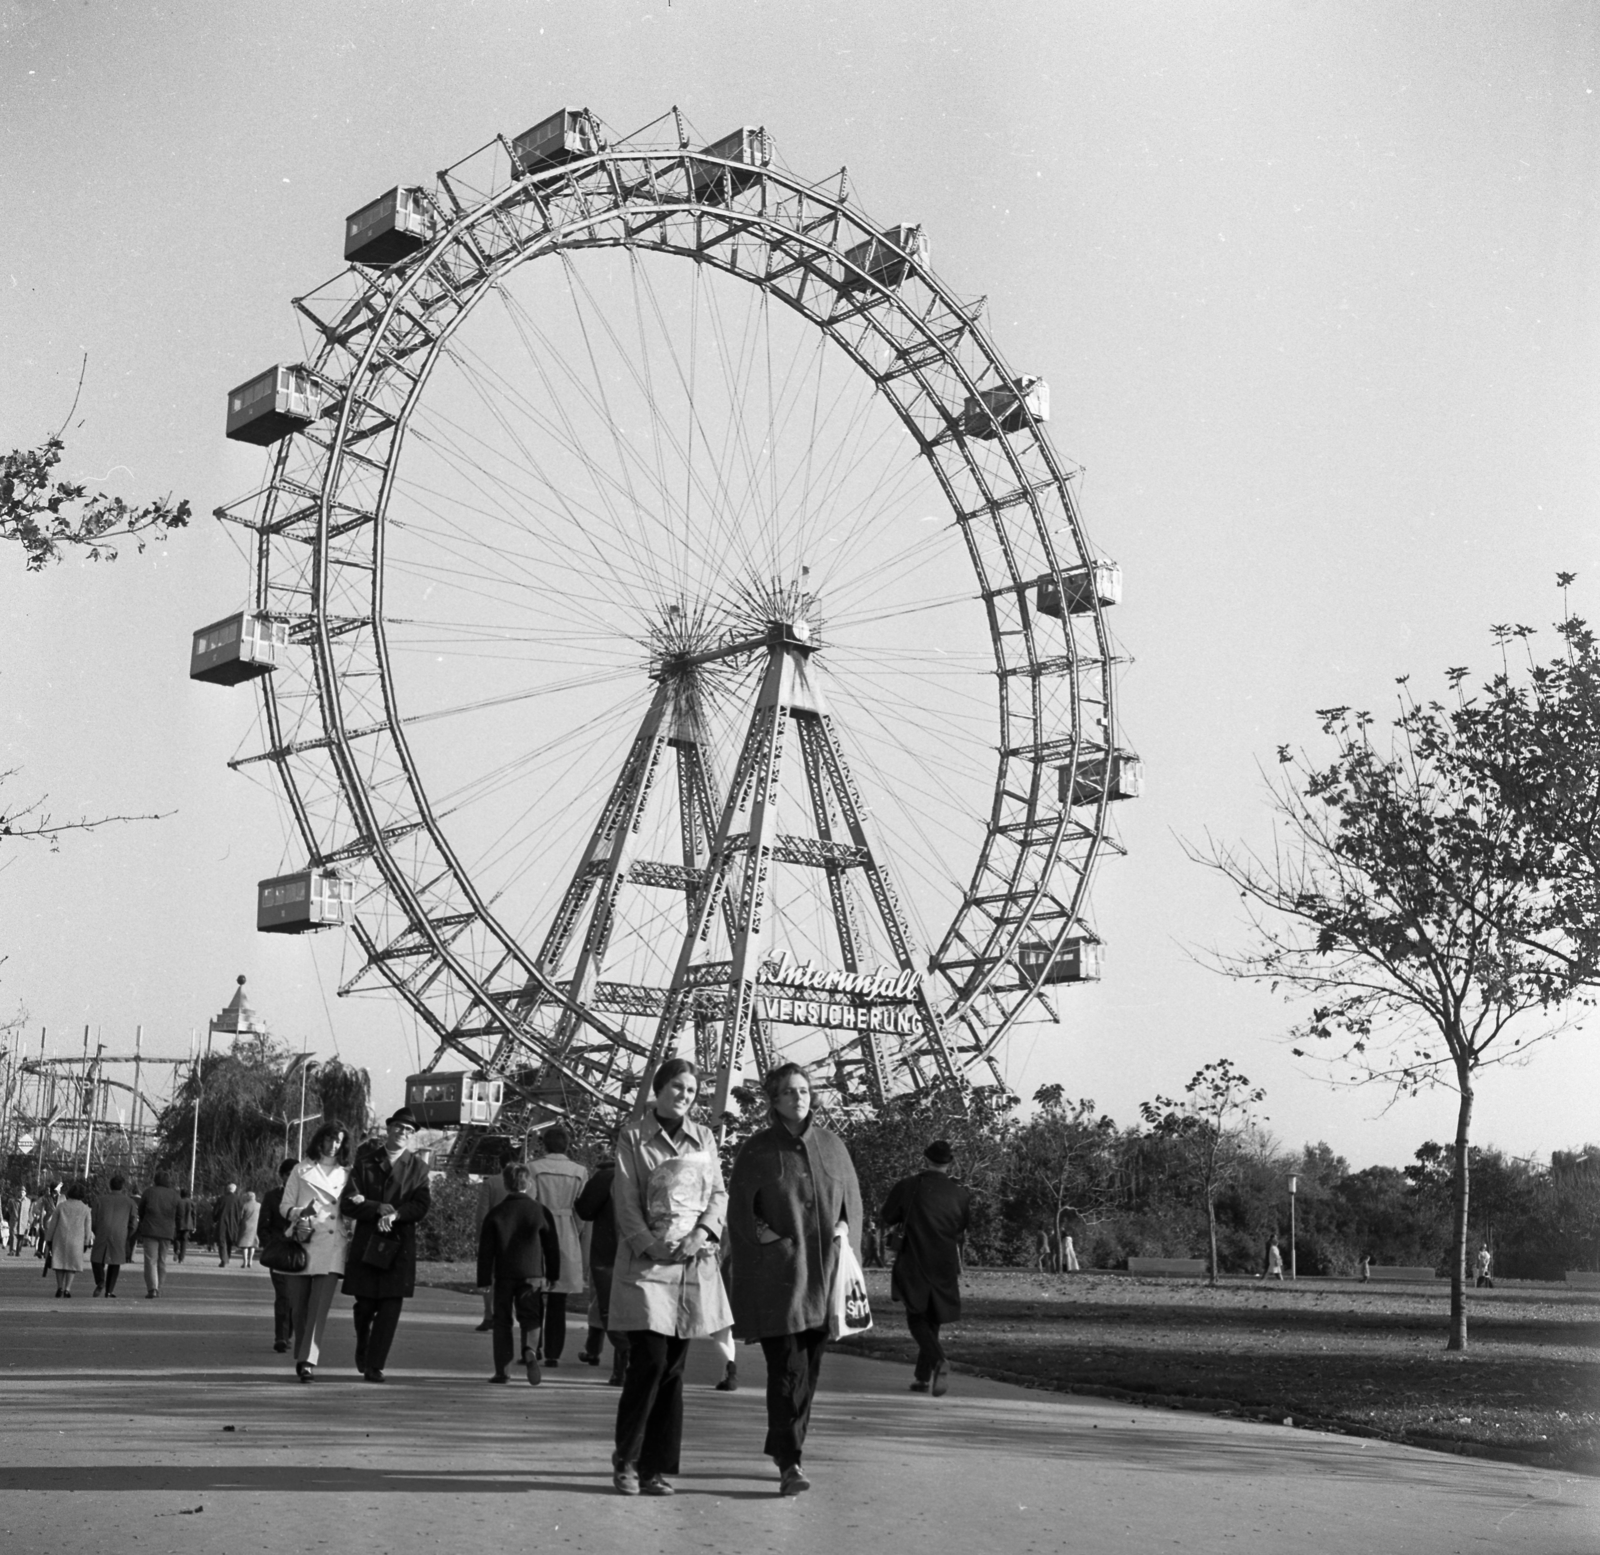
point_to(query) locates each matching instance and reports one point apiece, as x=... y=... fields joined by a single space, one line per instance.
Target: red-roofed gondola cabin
x=306 y=900
x=238 y=647
x=391 y=227
x=564 y=137
x=272 y=405
x=449 y=1100
x=1079 y=961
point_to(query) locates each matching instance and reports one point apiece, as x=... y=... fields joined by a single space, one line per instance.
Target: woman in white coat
x=311 y=1209
x=666 y=1288
x=70 y=1235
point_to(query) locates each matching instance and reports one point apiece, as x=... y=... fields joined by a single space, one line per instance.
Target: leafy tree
x=51 y=518
x=1063 y=1166
x=1412 y=903
x=1207 y=1128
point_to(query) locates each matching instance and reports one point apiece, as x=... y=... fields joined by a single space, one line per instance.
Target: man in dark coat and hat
x=934 y=1214
x=386 y=1195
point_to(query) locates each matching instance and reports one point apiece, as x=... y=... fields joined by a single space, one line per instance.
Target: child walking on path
x=519 y=1254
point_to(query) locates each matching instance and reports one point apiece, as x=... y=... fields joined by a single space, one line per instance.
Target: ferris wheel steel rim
x=610 y=200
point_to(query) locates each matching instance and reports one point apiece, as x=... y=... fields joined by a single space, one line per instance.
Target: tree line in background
x=1166 y=1188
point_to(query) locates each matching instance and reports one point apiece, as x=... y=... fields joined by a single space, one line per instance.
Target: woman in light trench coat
x=310 y=1203
x=669 y=1203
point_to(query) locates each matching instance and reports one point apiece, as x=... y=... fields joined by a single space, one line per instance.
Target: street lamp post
x=1294 y=1272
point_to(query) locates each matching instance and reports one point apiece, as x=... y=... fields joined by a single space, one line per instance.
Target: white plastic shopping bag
x=849 y=1310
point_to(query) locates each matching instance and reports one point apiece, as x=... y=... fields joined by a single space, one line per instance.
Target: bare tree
x=1209 y=1127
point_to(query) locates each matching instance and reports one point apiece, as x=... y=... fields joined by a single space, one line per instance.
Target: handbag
x=381 y=1251
x=284 y=1255
x=849 y=1307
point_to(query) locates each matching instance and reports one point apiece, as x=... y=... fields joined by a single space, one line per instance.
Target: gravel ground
x=1364 y=1359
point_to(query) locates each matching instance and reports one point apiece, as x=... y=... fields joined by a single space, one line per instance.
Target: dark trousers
x=924 y=1328
x=601 y=1275
x=555 y=1325
x=794 y=1362
x=377 y=1317
x=650 y=1411
x=105 y=1276
x=224 y=1249
x=520 y=1298
x=282 y=1312
x=179 y=1242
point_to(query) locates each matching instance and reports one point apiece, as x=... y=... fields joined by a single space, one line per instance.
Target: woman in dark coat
x=158 y=1226
x=792 y=1186
x=386 y=1195
x=115 y=1217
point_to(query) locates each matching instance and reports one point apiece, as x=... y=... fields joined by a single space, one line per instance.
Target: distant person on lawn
x=934 y=1214
x=519 y=1259
x=1273 y=1270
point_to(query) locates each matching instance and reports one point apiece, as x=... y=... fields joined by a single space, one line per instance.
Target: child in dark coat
x=518 y=1255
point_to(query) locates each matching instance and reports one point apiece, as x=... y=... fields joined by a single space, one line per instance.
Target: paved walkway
x=170 y=1425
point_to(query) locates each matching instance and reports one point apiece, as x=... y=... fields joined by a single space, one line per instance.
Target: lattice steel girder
x=939 y=356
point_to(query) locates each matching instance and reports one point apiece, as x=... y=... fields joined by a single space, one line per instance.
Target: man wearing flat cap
x=933 y=1213
x=386 y=1195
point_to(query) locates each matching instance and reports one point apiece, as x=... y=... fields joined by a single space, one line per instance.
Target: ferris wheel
x=674 y=631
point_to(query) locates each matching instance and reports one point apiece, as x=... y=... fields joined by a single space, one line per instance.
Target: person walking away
x=491 y=1190
x=310 y=1206
x=250 y=1221
x=1069 y=1256
x=934 y=1214
x=519 y=1257
x=593 y=1205
x=229 y=1214
x=1274 y=1264
x=1485 y=1268
x=557 y=1182
x=46 y=1207
x=19 y=1227
x=157 y=1230
x=71 y=1235
x=792 y=1188
x=386 y=1195
x=666 y=1289
x=113 y=1220
x=188 y=1223
x=273 y=1223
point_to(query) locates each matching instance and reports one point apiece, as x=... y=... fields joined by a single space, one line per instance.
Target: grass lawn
x=1334 y=1354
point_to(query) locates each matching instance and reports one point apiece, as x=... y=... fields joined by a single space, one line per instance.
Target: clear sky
x=1314 y=287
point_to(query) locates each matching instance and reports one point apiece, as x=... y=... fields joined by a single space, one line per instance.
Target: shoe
x=373 y=1375
x=149 y=1295
x=281 y=1349
x=792 y=1481
x=919 y=1387
x=552 y=1360
x=59 y=1295
x=730 y=1382
x=531 y=1361
x=361 y=1359
x=499 y=1376
x=111 y=1295
x=657 y=1485
x=97 y=1291
x=625 y=1476
x=614 y=1380
x=67 y=1294
x=305 y=1371
x=941 y=1380
x=485 y=1327
x=587 y=1359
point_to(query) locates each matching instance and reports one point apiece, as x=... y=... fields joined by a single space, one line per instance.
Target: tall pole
x=300 y=1143
x=194 y=1074
x=91 y=1084
x=138 y=1058
x=1294 y=1270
